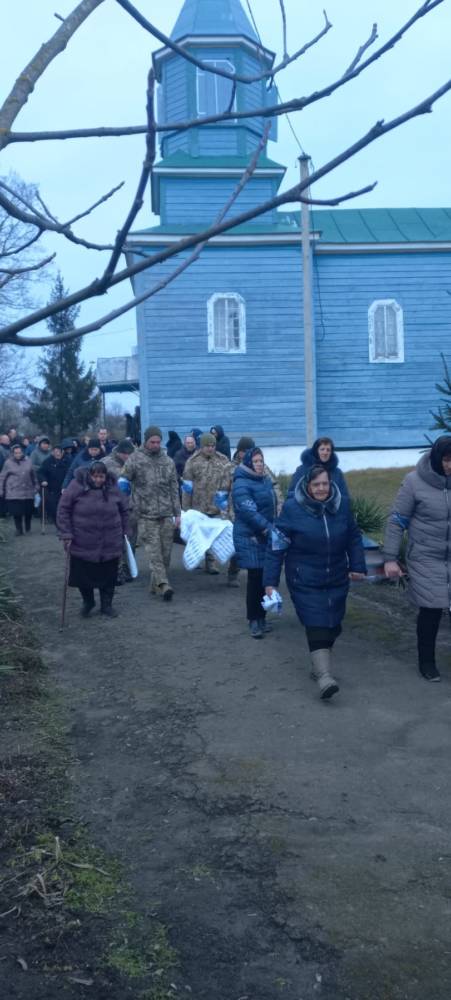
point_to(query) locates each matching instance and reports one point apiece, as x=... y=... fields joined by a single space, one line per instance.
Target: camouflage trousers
x=157 y=535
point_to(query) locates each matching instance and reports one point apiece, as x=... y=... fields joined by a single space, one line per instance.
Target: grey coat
x=423 y=509
x=18 y=480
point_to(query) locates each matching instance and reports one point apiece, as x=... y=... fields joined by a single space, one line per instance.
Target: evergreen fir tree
x=69 y=402
x=443 y=416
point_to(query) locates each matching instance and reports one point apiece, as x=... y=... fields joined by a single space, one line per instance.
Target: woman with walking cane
x=92 y=522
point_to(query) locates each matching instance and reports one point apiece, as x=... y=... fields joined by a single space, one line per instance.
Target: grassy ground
x=380 y=485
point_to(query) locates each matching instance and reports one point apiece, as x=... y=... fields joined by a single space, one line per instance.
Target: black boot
x=88 y=602
x=106 y=604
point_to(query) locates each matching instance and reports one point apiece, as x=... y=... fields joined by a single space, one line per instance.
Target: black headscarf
x=440 y=448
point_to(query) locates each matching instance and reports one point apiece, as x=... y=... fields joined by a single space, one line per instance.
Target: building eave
x=237 y=239
x=213 y=41
x=216 y=172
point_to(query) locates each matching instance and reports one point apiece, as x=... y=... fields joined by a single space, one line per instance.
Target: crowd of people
x=100 y=492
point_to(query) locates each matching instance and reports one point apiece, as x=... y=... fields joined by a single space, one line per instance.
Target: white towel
x=202 y=533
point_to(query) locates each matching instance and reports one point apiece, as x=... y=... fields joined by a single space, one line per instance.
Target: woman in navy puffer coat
x=322 y=549
x=255 y=507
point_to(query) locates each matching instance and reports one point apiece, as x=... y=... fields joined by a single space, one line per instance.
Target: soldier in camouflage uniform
x=156 y=495
x=208 y=472
x=115 y=462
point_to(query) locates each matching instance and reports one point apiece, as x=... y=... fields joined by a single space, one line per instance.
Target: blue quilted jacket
x=254 y=503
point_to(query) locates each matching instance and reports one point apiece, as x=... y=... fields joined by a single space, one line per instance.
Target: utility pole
x=309 y=331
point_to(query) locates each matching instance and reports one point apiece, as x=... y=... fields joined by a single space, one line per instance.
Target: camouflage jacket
x=207 y=476
x=154 y=484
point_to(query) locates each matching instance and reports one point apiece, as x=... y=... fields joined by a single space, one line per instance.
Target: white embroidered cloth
x=202 y=533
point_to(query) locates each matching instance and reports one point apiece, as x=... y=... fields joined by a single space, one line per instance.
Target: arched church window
x=227 y=323
x=214 y=93
x=386 y=332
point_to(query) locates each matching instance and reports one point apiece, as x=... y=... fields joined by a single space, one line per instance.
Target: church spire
x=212 y=17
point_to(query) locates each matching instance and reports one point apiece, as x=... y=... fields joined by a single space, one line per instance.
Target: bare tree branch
x=207 y=67
x=11 y=272
x=366 y=45
x=29 y=76
x=183 y=266
x=100 y=201
x=284 y=28
x=138 y=200
x=330 y=202
x=44 y=224
x=288 y=107
x=10 y=333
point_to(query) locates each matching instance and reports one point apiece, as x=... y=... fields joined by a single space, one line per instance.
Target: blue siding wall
x=360 y=403
x=260 y=392
x=200 y=199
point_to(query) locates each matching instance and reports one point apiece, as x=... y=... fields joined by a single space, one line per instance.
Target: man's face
x=123 y=455
x=4 y=439
x=190 y=443
x=94 y=452
x=44 y=445
x=57 y=453
x=103 y=435
x=446 y=463
x=208 y=450
x=153 y=444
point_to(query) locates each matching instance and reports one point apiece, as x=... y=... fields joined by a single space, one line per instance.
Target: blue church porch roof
x=182 y=165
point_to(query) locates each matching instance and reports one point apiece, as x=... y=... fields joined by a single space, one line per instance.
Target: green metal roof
x=348 y=225
x=183 y=161
x=212 y=17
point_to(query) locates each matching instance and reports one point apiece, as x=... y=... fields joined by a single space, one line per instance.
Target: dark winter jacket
x=255 y=507
x=181 y=457
x=81 y=461
x=173 y=444
x=18 y=480
x=38 y=456
x=4 y=454
x=423 y=509
x=94 y=519
x=222 y=441
x=53 y=472
x=308 y=460
x=324 y=545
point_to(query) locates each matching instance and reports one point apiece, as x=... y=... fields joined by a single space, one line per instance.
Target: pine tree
x=443 y=417
x=68 y=402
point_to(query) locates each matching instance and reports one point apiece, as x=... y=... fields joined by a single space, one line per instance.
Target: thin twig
x=100 y=201
x=366 y=45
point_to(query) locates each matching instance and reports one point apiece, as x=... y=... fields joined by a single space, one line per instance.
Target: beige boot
x=321 y=672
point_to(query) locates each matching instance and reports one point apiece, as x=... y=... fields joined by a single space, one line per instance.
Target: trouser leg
x=254 y=595
x=233 y=570
x=19 y=525
x=152 y=537
x=428 y=622
x=28 y=514
x=210 y=563
x=167 y=539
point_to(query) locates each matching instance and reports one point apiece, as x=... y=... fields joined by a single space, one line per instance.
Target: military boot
x=321 y=672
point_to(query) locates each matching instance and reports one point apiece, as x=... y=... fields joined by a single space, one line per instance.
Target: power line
x=279 y=96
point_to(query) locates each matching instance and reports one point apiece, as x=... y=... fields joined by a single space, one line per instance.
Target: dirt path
x=294 y=849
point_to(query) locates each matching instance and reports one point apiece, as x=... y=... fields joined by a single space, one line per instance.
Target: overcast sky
x=101 y=77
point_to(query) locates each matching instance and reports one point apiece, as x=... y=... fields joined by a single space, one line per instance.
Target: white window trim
x=211 y=323
x=214 y=62
x=399 y=332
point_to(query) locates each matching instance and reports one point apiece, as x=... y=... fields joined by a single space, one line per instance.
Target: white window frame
x=213 y=347
x=399 y=317
x=215 y=82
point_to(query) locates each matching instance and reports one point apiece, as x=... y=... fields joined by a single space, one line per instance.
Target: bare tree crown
x=27 y=208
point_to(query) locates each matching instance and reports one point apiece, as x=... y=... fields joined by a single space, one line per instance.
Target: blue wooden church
x=224 y=342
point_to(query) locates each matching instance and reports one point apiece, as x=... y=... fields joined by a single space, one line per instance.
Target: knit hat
x=93 y=443
x=247 y=460
x=152 y=432
x=125 y=447
x=207 y=439
x=245 y=443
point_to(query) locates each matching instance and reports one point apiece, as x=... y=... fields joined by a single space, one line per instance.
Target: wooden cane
x=66 y=584
x=43 y=512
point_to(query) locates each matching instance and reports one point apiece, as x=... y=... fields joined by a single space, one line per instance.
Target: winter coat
x=81 y=461
x=269 y=473
x=53 y=472
x=324 y=546
x=255 y=507
x=222 y=442
x=94 y=519
x=208 y=474
x=4 y=454
x=308 y=460
x=173 y=444
x=154 y=482
x=423 y=509
x=181 y=457
x=18 y=480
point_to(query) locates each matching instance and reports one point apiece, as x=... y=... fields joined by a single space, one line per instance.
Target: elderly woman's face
x=319 y=488
x=324 y=452
x=446 y=463
x=98 y=478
